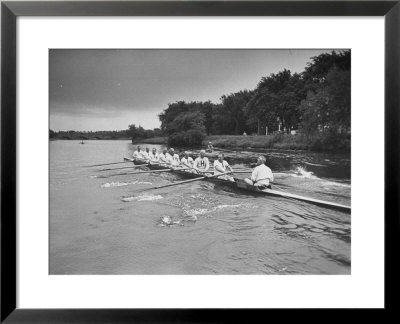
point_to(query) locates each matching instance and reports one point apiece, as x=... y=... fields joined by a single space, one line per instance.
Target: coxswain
x=201 y=164
x=187 y=161
x=210 y=148
x=222 y=167
x=153 y=156
x=138 y=154
x=262 y=175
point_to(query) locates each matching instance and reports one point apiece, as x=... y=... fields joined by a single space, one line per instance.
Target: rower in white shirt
x=146 y=154
x=138 y=154
x=168 y=157
x=163 y=156
x=187 y=161
x=222 y=167
x=201 y=164
x=153 y=156
x=262 y=175
x=174 y=157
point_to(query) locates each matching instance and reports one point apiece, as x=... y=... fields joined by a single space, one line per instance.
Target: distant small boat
x=81 y=142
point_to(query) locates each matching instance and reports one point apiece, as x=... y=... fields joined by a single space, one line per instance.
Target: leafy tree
x=276 y=100
x=222 y=123
x=316 y=71
x=173 y=111
x=328 y=110
x=185 y=123
x=187 y=129
x=138 y=132
x=233 y=109
x=207 y=109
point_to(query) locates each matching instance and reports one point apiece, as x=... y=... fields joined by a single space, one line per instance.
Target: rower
x=187 y=161
x=201 y=164
x=138 y=154
x=153 y=156
x=163 y=156
x=221 y=166
x=261 y=176
x=168 y=157
x=210 y=148
x=146 y=154
x=174 y=157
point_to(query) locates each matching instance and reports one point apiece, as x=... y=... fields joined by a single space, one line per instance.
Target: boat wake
x=315 y=164
x=303 y=173
x=168 y=221
x=194 y=212
x=336 y=184
x=191 y=214
x=122 y=184
x=299 y=172
x=141 y=198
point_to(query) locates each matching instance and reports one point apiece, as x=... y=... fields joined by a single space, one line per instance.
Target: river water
x=198 y=227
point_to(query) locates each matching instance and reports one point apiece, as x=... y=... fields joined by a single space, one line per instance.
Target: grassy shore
x=154 y=140
x=319 y=142
x=263 y=142
x=277 y=141
x=77 y=138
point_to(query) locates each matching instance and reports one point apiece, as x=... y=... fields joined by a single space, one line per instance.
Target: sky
x=94 y=90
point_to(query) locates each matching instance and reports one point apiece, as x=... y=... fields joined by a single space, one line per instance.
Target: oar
x=129 y=173
x=96 y=165
x=129 y=167
x=181 y=182
x=140 y=172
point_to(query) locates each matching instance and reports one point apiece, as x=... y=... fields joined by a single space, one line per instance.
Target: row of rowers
x=260 y=177
x=200 y=164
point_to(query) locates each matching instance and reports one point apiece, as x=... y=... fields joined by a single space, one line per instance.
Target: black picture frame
x=11 y=10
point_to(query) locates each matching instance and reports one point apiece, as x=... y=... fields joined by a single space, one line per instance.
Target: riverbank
x=73 y=138
x=277 y=141
x=162 y=140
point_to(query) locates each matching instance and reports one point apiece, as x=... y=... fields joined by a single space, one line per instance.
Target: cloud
x=110 y=83
x=104 y=120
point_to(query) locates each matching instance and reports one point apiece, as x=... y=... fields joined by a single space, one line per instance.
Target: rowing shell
x=241 y=184
x=272 y=192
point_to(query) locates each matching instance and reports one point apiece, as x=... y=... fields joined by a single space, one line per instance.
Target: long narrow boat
x=241 y=184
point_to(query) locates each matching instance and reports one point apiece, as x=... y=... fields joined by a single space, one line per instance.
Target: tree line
x=89 y=135
x=133 y=132
x=315 y=102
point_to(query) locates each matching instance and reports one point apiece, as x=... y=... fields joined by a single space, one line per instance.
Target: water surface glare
x=109 y=225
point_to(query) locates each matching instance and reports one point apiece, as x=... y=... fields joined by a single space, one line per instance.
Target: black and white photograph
x=200 y=161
